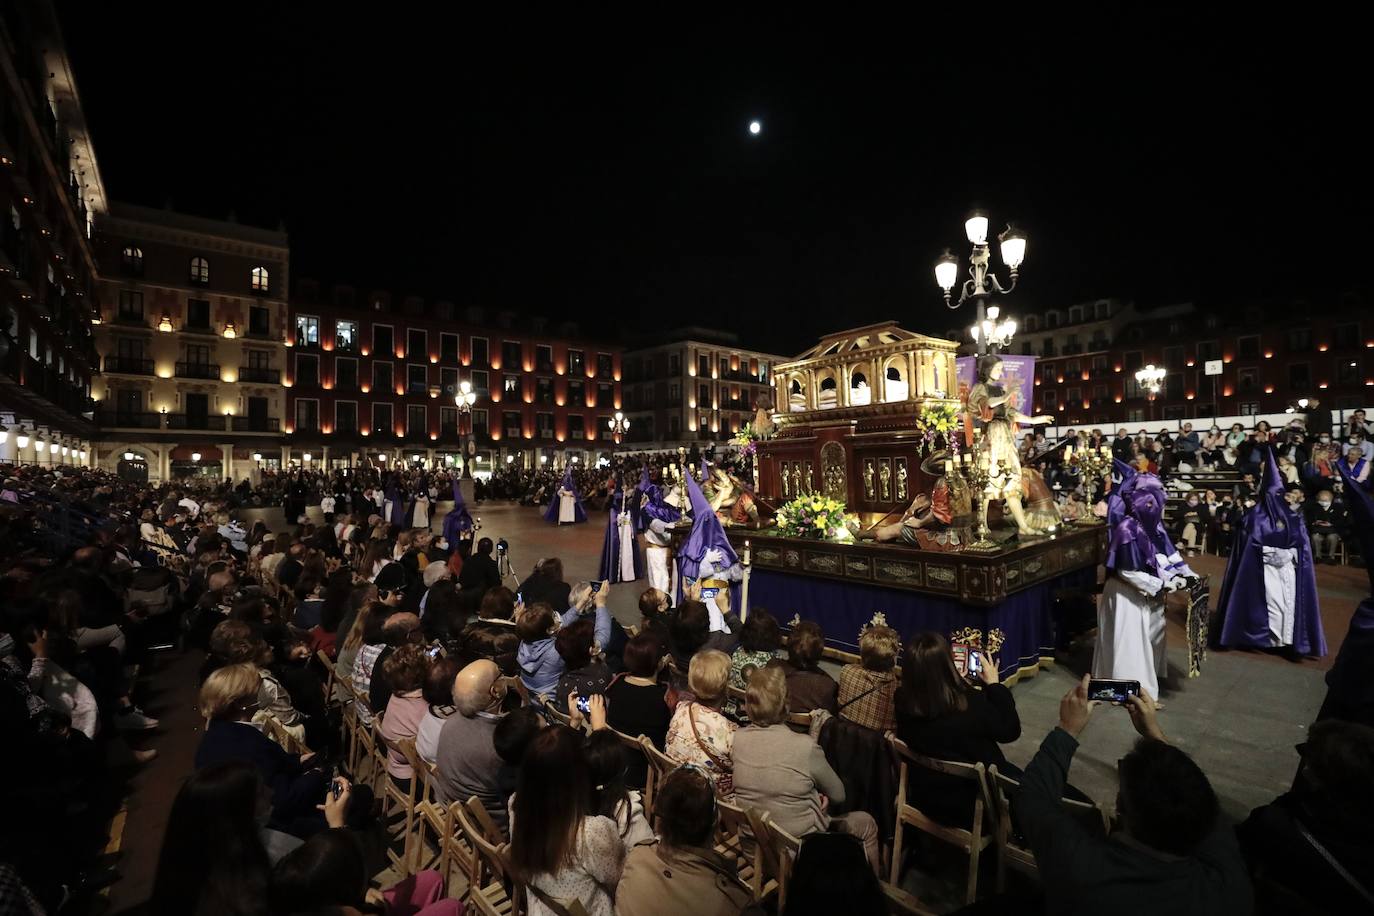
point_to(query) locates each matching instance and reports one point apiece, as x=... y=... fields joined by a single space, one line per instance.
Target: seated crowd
x=609 y=765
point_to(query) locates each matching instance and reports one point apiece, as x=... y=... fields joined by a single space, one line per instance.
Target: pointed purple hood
x=707 y=533
x=655 y=506
x=1116 y=509
x=458 y=519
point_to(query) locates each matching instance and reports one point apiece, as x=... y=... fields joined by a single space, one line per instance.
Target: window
x=605 y=395
x=576 y=362
x=674 y=395
x=1248 y=347
x=345 y=416
x=1348 y=372
x=763 y=372
x=511 y=423
x=1074 y=396
x=346 y=374
x=200 y=271
x=259 y=321
x=1173 y=382
x=1134 y=360
x=1099 y=393
x=259 y=359
x=703 y=366
x=577 y=392
x=383 y=341
x=416 y=420
x=259 y=280
x=448 y=381
x=1247 y=380
x=1075 y=314
x=704 y=394
x=577 y=426
x=510 y=384
x=383 y=380
x=512 y=359
x=479 y=352
x=1208 y=350
x=674 y=366
x=307 y=370
x=1345 y=336
x=480 y=384
x=1051 y=399
x=381 y=420
x=1299 y=377
x=448 y=421
x=1173 y=357
x=1102 y=310
x=448 y=347
x=1249 y=408
x=417 y=343
x=346 y=336
x=1100 y=366
x=543 y=391
x=307 y=415
x=127 y=348
x=307 y=331
x=417 y=379
x=674 y=426
x=1072 y=370
x=131 y=260
x=130 y=305
x=198 y=314
x=543 y=358
x=479 y=421
x=1030 y=324
x=1299 y=340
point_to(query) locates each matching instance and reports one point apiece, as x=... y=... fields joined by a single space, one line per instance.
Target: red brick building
x=370 y=375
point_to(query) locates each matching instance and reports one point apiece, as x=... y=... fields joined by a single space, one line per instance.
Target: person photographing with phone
x=1174 y=853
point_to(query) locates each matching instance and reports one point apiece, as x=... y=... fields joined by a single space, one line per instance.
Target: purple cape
x=653 y=505
x=398 y=506
x=1242 y=606
x=551 y=513
x=610 y=546
x=706 y=534
x=1116 y=509
x=458 y=519
x=1134 y=544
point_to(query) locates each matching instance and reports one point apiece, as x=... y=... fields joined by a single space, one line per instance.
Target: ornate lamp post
x=982 y=283
x=464 y=400
x=991 y=334
x=1151 y=378
x=619 y=426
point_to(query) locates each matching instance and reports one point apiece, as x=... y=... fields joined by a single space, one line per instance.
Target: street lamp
x=195 y=456
x=1151 y=378
x=981 y=283
x=464 y=400
x=619 y=425
x=992 y=334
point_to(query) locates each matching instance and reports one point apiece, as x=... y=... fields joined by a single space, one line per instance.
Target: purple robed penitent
x=653 y=504
x=398 y=506
x=706 y=535
x=1242 y=605
x=1138 y=540
x=551 y=513
x=458 y=520
x=611 y=544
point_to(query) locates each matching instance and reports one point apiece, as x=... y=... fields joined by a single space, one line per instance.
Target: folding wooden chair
x=331 y=677
x=972 y=841
x=397 y=803
x=1011 y=850
x=777 y=850
x=274 y=729
x=491 y=889
x=660 y=765
x=481 y=818
x=431 y=818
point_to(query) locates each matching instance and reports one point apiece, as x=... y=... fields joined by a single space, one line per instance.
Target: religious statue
x=786 y=480
x=763 y=417
x=932 y=511
x=796 y=479
x=869 y=493
x=884 y=482
x=901 y=479
x=990 y=402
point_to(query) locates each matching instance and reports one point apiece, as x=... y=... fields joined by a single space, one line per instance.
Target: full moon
x=755 y=127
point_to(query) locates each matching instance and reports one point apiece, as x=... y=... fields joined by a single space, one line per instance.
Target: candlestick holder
x=986 y=484
x=1092 y=464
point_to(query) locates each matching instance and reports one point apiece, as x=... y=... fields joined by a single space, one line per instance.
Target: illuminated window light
x=1268 y=354
x=1190 y=395
x=1118 y=399
x=1190 y=365
x=1322 y=385
x=1322 y=348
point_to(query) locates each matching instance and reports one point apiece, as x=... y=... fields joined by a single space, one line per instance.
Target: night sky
x=604 y=170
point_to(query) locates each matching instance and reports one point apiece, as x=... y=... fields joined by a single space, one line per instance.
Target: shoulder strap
x=558 y=908
x=1336 y=866
x=855 y=699
x=705 y=748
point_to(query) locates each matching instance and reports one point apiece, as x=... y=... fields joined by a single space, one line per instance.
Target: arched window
x=260 y=284
x=200 y=270
x=859 y=392
x=895 y=386
x=132 y=259
x=828 y=396
x=796 y=398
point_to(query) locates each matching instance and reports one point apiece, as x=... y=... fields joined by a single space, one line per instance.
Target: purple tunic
x=551 y=513
x=458 y=519
x=610 y=546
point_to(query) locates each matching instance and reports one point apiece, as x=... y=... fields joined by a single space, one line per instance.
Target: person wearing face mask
x=1224 y=519
x=1143 y=566
x=1190 y=524
x=1327 y=524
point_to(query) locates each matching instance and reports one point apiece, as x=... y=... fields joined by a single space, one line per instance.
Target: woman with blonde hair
x=786 y=774
x=698 y=732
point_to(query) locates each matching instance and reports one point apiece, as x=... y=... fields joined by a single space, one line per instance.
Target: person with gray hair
x=467 y=761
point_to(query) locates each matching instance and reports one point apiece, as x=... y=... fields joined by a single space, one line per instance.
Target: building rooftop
x=221 y=228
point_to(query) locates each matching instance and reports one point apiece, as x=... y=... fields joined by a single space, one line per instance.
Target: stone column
x=164 y=463
x=285 y=456
x=226 y=460
x=324 y=458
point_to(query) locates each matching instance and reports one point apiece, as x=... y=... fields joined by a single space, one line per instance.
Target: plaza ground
x=1240 y=720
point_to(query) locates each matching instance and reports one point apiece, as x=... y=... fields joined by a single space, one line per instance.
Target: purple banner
x=1018 y=378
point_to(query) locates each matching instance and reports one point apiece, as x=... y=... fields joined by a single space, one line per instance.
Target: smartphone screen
x=584 y=705
x=710 y=592
x=1109 y=691
x=596 y=587
x=975 y=662
x=434 y=651
x=519 y=597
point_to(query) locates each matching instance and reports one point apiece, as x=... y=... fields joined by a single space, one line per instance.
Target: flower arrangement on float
x=938 y=421
x=816 y=517
x=747 y=440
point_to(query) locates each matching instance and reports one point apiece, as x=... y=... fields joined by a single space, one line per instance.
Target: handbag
x=725 y=776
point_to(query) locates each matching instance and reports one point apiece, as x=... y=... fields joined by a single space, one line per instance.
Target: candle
x=984 y=462
x=949 y=467
x=1106 y=451
x=1068 y=453
x=746 y=551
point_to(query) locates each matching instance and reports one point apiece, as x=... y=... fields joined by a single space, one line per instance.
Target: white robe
x=1280 y=592
x=567 y=506
x=627 y=548
x=421 y=517
x=658 y=558
x=1131 y=626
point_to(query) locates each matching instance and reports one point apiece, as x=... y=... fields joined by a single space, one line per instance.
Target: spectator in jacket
x=1190 y=525
x=1187 y=445
x=941 y=714
x=868 y=689
x=698 y=732
x=786 y=774
x=493 y=634
x=682 y=874
x=540 y=664
x=759 y=642
x=406 y=671
x=584 y=673
x=1178 y=856
x=480 y=572
x=546 y=584
x=1327 y=524
x=808 y=687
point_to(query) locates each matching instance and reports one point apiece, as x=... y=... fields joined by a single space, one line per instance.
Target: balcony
x=198 y=370
x=129 y=419
x=197 y=421
x=129 y=365
x=255 y=424
x=131 y=319
x=259 y=333
x=259 y=374
x=204 y=330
